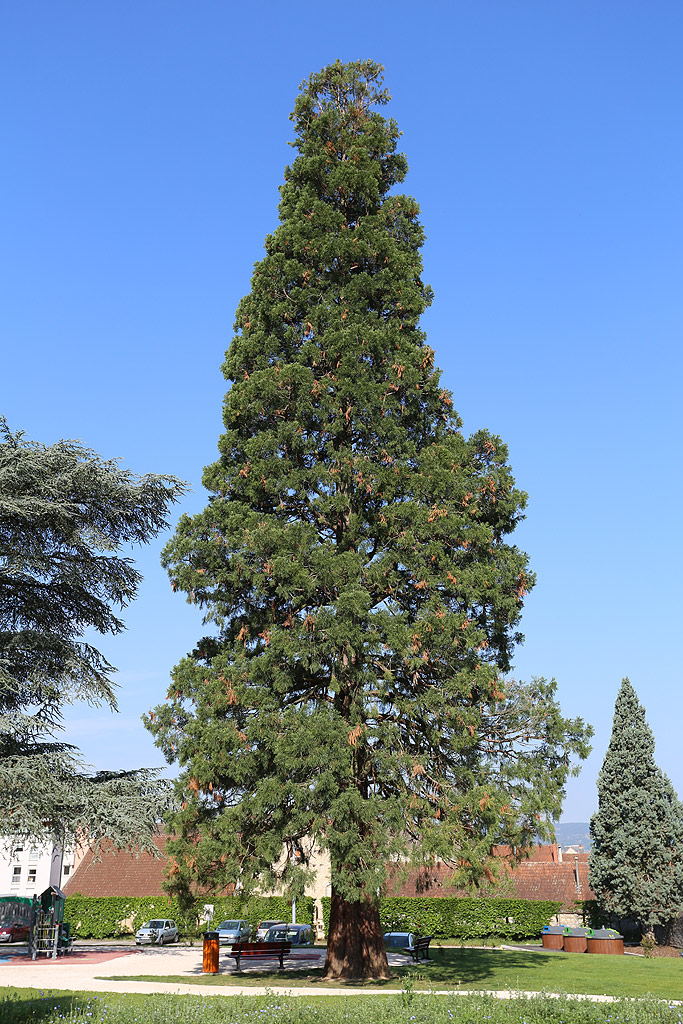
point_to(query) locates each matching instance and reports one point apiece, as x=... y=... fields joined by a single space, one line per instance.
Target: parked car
x=263 y=928
x=156 y=932
x=14 y=932
x=16 y=916
x=295 y=934
x=233 y=931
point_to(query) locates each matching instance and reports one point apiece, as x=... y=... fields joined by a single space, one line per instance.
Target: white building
x=27 y=868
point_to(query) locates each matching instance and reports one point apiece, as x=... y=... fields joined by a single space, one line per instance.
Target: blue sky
x=143 y=144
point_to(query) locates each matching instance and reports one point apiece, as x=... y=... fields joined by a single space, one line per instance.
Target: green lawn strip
x=492 y=970
x=48 y=1007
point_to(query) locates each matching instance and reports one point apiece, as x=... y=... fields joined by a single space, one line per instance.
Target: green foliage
x=462 y=917
x=352 y=562
x=65 y=514
x=104 y=917
x=591 y=913
x=636 y=860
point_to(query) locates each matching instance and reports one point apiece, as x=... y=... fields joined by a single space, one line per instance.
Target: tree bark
x=355 y=947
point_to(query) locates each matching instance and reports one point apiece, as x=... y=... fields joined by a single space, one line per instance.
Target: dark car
x=295 y=934
x=264 y=927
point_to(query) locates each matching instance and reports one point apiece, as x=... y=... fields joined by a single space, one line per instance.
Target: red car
x=14 y=932
x=16 y=914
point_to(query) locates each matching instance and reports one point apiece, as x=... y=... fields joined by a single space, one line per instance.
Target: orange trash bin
x=606 y=940
x=552 y=937
x=575 y=940
x=210 y=953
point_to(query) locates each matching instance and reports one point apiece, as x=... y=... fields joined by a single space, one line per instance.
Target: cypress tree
x=353 y=564
x=636 y=859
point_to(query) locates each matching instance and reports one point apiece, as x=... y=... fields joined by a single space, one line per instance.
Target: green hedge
x=105 y=917
x=445 y=917
x=462 y=917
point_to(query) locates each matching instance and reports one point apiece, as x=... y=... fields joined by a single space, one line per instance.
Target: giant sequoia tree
x=64 y=515
x=636 y=859
x=352 y=562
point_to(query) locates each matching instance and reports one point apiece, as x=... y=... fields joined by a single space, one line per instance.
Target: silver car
x=233 y=931
x=157 y=932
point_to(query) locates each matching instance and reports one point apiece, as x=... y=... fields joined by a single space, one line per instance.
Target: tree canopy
x=65 y=514
x=636 y=858
x=354 y=568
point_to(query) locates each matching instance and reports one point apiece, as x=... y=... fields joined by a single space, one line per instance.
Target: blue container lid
x=399 y=939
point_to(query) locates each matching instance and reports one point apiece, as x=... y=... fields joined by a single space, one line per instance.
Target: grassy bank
x=497 y=969
x=26 y=1005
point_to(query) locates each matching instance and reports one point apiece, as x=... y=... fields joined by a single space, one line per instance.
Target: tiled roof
x=120 y=873
x=542 y=876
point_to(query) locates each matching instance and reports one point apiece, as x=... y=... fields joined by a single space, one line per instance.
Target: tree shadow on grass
x=466 y=967
x=469 y=968
x=17 y=1008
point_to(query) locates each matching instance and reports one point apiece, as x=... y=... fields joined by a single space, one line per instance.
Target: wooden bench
x=420 y=950
x=271 y=950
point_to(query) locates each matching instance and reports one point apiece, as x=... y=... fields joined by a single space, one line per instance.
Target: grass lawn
x=479 y=969
x=41 y=1007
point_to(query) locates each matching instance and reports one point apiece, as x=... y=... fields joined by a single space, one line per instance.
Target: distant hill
x=573 y=833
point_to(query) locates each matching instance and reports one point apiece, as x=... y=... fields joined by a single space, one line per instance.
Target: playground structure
x=50 y=934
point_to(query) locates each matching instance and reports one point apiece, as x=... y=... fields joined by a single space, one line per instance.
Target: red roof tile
x=540 y=877
x=120 y=873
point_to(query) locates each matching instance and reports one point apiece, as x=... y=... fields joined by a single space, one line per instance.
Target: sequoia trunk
x=355 y=947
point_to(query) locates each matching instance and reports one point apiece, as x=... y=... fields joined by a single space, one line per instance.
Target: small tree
x=64 y=515
x=354 y=563
x=636 y=859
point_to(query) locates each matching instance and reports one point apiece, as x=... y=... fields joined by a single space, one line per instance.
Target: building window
x=17 y=852
x=66 y=870
x=33 y=853
x=16 y=875
x=31 y=880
